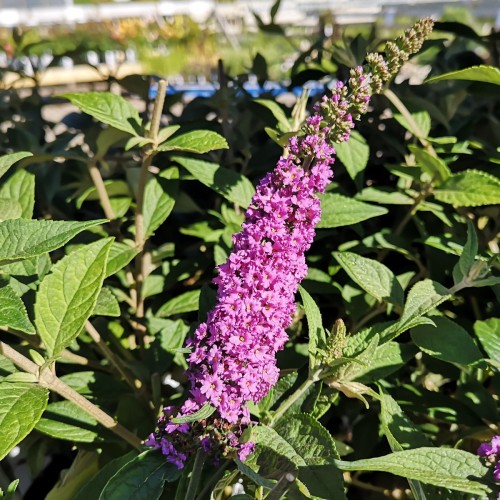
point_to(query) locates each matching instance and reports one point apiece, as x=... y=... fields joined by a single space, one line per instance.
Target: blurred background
x=74 y=42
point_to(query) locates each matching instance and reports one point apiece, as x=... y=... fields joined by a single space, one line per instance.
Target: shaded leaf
x=186 y=302
x=228 y=183
x=446 y=341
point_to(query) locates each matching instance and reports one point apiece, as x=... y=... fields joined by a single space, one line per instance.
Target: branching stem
x=47 y=379
x=140 y=235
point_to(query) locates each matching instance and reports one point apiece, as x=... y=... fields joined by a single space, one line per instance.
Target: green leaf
x=13 y=311
x=93 y=487
x=401 y=433
x=228 y=183
x=10 y=209
x=315 y=326
x=354 y=155
x=468 y=255
x=386 y=359
x=399 y=430
x=107 y=304
x=166 y=132
x=11 y=489
x=198 y=141
x=308 y=438
x=421 y=118
x=204 y=412
x=323 y=481
x=487 y=74
x=21 y=406
x=108 y=108
x=186 y=302
x=372 y=276
x=159 y=199
x=20 y=187
x=447 y=341
x=385 y=197
x=278 y=113
x=64 y=420
x=471 y=188
x=22 y=238
x=434 y=166
x=119 y=256
x=269 y=438
x=250 y=473
x=6 y=161
x=448 y=468
x=338 y=210
x=142 y=478
x=488 y=333
x=67 y=296
x=425 y=296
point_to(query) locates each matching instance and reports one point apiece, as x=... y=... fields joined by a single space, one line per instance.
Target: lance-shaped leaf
x=338 y=210
x=375 y=278
x=204 y=412
x=64 y=420
x=445 y=467
x=487 y=74
x=142 y=478
x=468 y=255
x=198 y=141
x=488 y=333
x=231 y=185
x=21 y=406
x=354 y=154
x=108 y=108
x=13 y=311
x=159 y=199
x=317 y=336
x=434 y=166
x=6 y=161
x=425 y=296
x=67 y=296
x=470 y=188
x=21 y=238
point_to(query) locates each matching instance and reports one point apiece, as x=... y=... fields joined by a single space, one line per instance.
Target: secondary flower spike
x=233 y=358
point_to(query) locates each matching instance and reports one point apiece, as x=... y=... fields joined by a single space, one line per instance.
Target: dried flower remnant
x=233 y=358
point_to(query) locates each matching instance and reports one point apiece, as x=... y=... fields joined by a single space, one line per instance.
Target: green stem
x=301 y=390
x=46 y=378
x=100 y=187
x=140 y=236
x=115 y=362
x=199 y=462
x=416 y=130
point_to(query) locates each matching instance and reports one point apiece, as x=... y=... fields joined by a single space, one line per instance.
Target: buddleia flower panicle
x=233 y=358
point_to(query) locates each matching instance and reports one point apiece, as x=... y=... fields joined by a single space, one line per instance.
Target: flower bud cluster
x=233 y=358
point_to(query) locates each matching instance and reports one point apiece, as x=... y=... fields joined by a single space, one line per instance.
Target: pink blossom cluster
x=491 y=451
x=233 y=358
